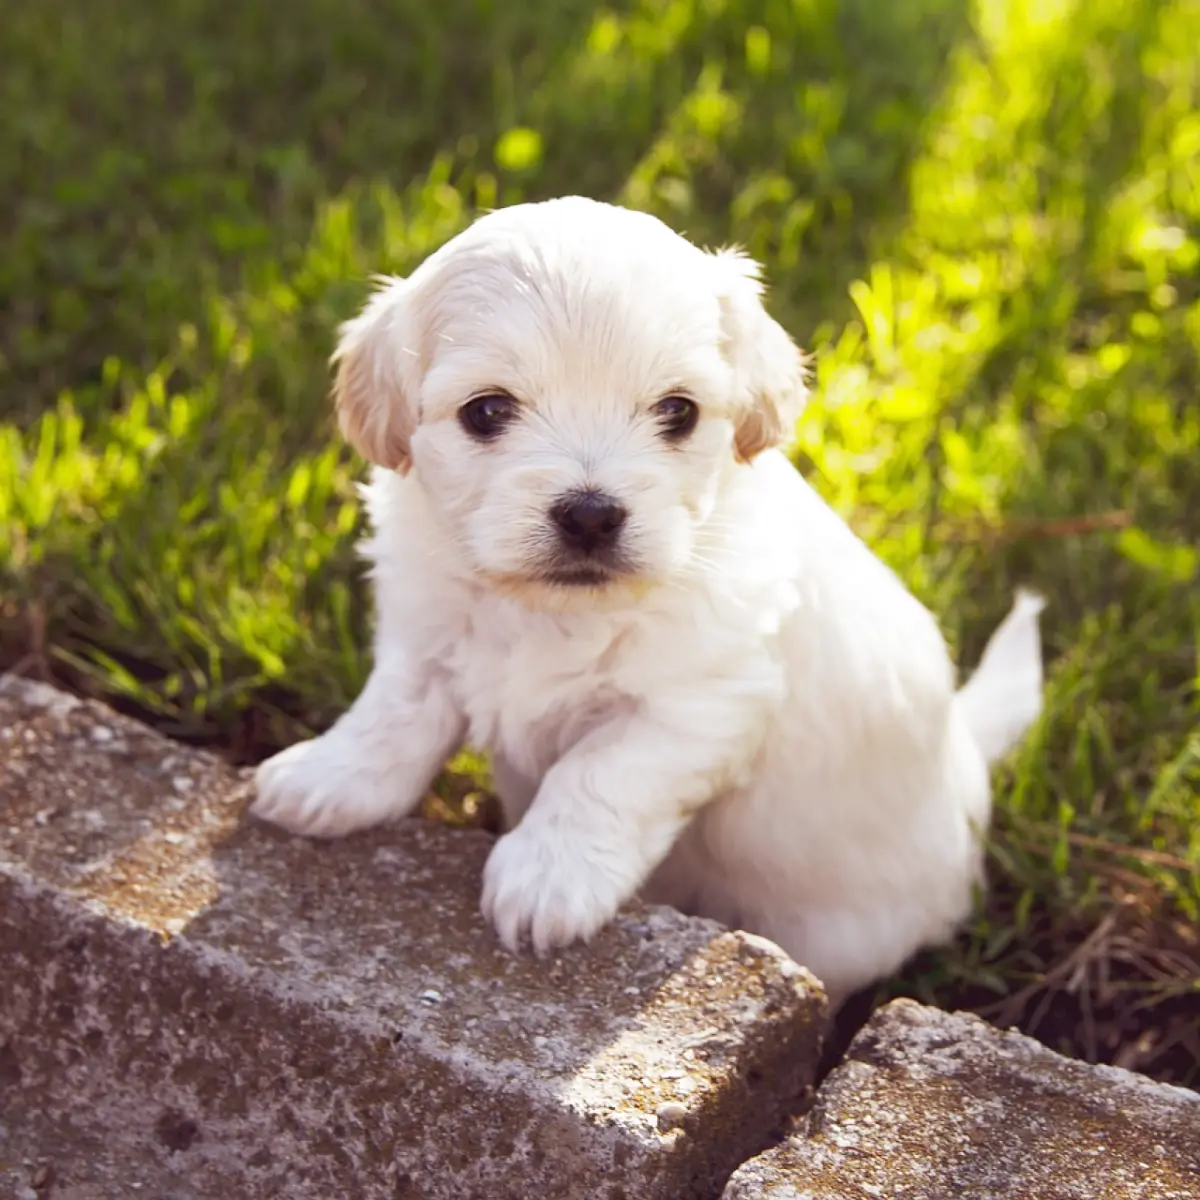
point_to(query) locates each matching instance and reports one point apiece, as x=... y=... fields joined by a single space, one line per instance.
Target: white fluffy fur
x=755 y=721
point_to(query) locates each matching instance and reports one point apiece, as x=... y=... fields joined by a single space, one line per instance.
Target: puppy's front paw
x=535 y=885
x=327 y=788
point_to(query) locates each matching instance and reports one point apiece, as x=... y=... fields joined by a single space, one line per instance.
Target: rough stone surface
x=940 y=1106
x=193 y=1005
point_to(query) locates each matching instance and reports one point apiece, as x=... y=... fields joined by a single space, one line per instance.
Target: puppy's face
x=571 y=383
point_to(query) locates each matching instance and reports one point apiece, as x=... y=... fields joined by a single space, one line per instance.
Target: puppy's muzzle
x=589 y=524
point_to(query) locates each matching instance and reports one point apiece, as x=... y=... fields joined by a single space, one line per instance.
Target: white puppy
x=590 y=559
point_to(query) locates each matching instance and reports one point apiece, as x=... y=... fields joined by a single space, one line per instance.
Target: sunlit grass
x=984 y=219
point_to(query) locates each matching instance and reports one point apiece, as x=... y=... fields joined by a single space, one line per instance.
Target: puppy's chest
x=531 y=689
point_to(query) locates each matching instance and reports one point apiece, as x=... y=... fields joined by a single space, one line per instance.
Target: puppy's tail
x=1004 y=696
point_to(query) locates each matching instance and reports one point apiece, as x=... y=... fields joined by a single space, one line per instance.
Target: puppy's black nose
x=589 y=521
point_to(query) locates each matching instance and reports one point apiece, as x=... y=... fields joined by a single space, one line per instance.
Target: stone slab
x=932 y=1105
x=193 y=1005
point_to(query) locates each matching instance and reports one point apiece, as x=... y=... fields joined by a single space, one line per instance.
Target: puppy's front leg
x=375 y=764
x=607 y=814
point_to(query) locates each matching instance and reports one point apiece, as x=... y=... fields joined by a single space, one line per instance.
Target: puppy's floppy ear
x=770 y=367
x=378 y=375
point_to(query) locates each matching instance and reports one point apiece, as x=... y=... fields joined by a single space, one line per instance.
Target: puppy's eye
x=677 y=417
x=485 y=417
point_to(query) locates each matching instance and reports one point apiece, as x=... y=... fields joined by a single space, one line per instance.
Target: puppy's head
x=571 y=383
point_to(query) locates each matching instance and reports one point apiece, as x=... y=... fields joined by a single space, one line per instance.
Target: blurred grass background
x=983 y=217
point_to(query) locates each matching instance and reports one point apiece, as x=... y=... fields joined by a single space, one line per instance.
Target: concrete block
x=940 y=1106
x=195 y=1006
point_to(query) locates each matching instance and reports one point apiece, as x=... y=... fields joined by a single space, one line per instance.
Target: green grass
x=985 y=220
